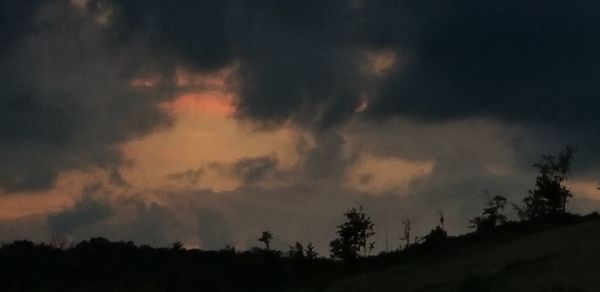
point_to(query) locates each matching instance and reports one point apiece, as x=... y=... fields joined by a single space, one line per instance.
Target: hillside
x=551 y=257
x=562 y=254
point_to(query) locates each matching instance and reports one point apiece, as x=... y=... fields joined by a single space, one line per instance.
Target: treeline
x=100 y=265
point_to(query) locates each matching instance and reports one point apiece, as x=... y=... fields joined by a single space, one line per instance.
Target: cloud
x=18 y=20
x=527 y=62
x=321 y=65
x=302 y=207
x=295 y=60
x=100 y=212
x=192 y=34
x=251 y=170
x=303 y=60
x=85 y=213
x=531 y=63
x=191 y=176
x=66 y=101
x=322 y=158
x=298 y=62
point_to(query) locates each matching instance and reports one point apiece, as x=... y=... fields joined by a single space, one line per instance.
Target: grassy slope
x=547 y=258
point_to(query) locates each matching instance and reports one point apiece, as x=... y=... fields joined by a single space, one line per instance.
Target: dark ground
x=557 y=255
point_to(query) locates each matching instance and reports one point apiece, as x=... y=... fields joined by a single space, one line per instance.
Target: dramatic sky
x=207 y=122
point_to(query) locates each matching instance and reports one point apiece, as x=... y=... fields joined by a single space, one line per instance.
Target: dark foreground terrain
x=557 y=255
x=550 y=256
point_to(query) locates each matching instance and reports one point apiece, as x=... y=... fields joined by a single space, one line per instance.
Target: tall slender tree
x=406 y=228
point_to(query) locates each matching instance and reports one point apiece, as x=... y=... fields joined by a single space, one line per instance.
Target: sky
x=207 y=122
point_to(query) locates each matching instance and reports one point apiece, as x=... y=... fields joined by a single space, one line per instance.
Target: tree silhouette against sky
x=266 y=238
x=492 y=214
x=353 y=235
x=550 y=195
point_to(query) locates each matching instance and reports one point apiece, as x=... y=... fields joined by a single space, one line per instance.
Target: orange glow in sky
x=210 y=103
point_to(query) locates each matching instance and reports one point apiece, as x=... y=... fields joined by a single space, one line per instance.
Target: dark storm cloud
x=17 y=19
x=532 y=62
x=191 y=33
x=66 y=101
x=297 y=61
x=295 y=58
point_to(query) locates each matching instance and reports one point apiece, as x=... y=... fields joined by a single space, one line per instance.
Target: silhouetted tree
x=492 y=215
x=406 y=228
x=266 y=238
x=229 y=249
x=297 y=251
x=19 y=245
x=177 y=246
x=438 y=234
x=550 y=196
x=310 y=251
x=353 y=235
